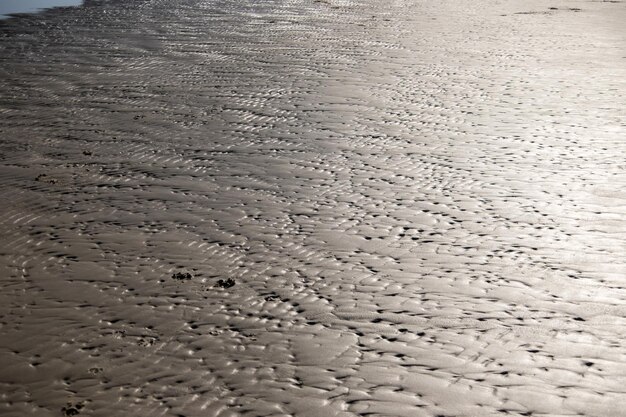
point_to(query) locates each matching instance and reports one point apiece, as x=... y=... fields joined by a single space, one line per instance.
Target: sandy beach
x=12 y=8
x=313 y=208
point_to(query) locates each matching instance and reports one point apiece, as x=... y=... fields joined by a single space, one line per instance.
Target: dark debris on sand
x=226 y=283
x=95 y=370
x=72 y=409
x=182 y=276
x=46 y=178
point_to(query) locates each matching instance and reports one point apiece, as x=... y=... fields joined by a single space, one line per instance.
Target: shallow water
x=421 y=204
x=8 y=7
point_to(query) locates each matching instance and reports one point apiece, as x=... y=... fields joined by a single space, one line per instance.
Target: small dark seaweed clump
x=226 y=284
x=182 y=276
x=72 y=409
x=46 y=178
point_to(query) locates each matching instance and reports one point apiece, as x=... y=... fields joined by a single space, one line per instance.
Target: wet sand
x=9 y=8
x=313 y=208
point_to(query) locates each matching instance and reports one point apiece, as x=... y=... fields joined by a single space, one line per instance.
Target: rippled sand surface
x=8 y=8
x=421 y=205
